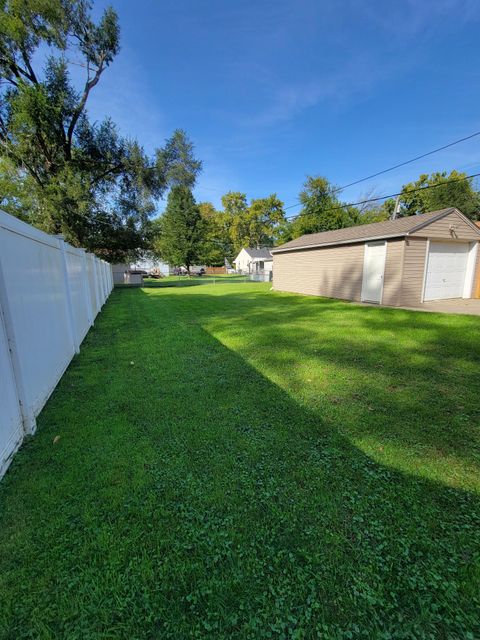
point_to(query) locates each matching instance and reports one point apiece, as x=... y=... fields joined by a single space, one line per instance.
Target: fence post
x=86 y=288
x=104 y=281
x=68 y=296
x=95 y=283
x=100 y=281
x=28 y=417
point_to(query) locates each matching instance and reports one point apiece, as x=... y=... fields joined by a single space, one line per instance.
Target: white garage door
x=446 y=270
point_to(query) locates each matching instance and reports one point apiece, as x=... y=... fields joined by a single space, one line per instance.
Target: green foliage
x=446 y=193
x=251 y=465
x=255 y=227
x=15 y=196
x=449 y=190
x=60 y=171
x=321 y=210
x=177 y=161
x=223 y=233
x=180 y=229
x=216 y=242
x=254 y=224
x=235 y=204
x=370 y=214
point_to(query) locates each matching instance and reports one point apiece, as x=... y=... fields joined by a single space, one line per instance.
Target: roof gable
x=240 y=253
x=377 y=230
x=454 y=225
x=257 y=253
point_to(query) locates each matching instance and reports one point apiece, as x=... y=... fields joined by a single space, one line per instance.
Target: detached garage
x=403 y=262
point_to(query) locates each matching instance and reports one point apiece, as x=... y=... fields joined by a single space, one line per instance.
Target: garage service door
x=446 y=270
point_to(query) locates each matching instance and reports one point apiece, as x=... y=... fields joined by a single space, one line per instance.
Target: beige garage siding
x=441 y=229
x=334 y=272
x=392 y=280
x=476 y=281
x=413 y=271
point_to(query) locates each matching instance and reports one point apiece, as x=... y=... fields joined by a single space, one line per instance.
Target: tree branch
x=11 y=81
x=31 y=75
x=3 y=129
x=16 y=69
x=81 y=106
x=22 y=162
x=104 y=174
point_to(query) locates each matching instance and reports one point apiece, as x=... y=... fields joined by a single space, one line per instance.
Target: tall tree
x=429 y=193
x=216 y=243
x=180 y=229
x=449 y=190
x=253 y=224
x=235 y=204
x=321 y=209
x=177 y=161
x=256 y=226
x=60 y=171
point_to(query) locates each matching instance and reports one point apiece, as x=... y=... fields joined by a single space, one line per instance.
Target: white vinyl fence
x=50 y=294
x=262 y=275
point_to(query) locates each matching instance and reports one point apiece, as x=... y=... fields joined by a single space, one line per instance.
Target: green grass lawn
x=238 y=463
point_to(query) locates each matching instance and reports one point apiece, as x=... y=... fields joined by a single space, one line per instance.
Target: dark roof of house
x=387 y=229
x=259 y=253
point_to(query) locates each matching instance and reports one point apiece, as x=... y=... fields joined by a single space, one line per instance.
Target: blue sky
x=271 y=92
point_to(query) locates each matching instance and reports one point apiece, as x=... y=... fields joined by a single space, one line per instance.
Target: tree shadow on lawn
x=382 y=376
x=189 y=496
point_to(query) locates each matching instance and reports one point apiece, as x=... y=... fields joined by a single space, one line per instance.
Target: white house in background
x=149 y=263
x=252 y=261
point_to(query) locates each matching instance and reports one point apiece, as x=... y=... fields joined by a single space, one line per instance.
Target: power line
x=396 y=166
x=392 y=195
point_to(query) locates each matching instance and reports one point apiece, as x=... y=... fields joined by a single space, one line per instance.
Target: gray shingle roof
x=259 y=253
x=389 y=228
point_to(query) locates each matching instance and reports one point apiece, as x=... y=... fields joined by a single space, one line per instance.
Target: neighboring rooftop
x=387 y=229
x=262 y=254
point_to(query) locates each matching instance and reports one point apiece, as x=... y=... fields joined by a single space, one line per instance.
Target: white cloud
x=289 y=99
x=414 y=18
x=364 y=44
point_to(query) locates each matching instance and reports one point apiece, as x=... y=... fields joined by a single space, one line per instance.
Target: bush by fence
x=50 y=294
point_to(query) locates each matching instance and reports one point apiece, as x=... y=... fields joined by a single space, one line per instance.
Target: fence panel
x=35 y=292
x=262 y=275
x=104 y=281
x=92 y=284
x=11 y=425
x=75 y=273
x=45 y=311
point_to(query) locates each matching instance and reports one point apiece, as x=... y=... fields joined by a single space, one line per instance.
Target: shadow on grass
x=401 y=376
x=189 y=496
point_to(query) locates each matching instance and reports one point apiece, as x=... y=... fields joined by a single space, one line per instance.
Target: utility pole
x=396 y=209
